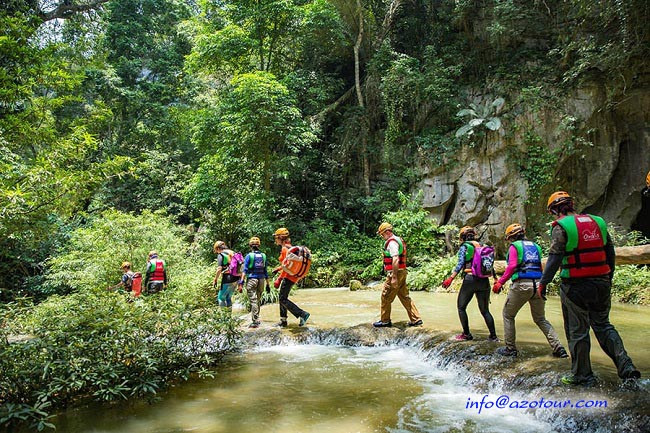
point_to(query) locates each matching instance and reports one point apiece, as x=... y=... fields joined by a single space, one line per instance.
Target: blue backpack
x=256 y=262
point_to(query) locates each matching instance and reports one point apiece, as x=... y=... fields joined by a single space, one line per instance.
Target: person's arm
x=512 y=265
x=610 y=256
x=459 y=266
x=219 y=269
x=165 y=274
x=147 y=274
x=555 y=256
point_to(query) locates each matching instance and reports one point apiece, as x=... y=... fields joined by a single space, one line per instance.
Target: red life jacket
x=159 y=271
x=585 y=248
x=388 y=260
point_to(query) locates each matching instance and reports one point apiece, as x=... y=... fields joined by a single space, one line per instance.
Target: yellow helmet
x=125 y=265
x=384 y=227
x=153 y=253
x=557 y=198
x=282 y=232
x=254 y=241
x=218 y=245
x=513 y=230
x=647 y=180
x=466 y=231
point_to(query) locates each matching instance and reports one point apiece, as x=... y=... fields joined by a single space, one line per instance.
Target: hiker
x=646 y=191
x=583 y=249
x=155 y=279
x=285 y=281
x=127 y=278
x=228 y=279
x=524 y=268
x=257 y=277
x=395 y=284
x=472 y=285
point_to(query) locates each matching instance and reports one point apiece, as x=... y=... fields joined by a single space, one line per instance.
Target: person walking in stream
x=257 y=278
x=228 y=280
x=395 y=284
x=473 y=285
x=582 y=248
x=524 y=268
x=285 y=282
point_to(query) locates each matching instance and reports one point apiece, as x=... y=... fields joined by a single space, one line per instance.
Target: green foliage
x=97 y=346
x=537 y=165
x=485 y=115
x=422 y=234
x=91 y=259
x=430 y=273
x=631 y=284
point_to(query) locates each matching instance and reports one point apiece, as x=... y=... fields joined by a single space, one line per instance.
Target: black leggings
x=285 y=303
x=481 y=288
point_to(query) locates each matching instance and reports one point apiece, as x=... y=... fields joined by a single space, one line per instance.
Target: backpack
x=235 y=265
x=136 y=284
x=483 y=261
x=297 y=262
x=257 y=262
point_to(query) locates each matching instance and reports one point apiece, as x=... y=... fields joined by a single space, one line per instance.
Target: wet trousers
x=254 y=290
x=285 y=303
x=481 y=288
x=402 y=292
x=520 y=293
x=225 y=294
x=586 y=303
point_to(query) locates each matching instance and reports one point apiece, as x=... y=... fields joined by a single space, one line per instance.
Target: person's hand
x=496 y=288
x=447 y=282
x=541 y=291
x=240 y=287
x=277 y=282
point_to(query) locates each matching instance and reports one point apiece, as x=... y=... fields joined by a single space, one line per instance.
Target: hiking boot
x=493 y=338
x=632 y=374
x=506 y=351
x=254 y=325
x=463 y=337
x=304 y=319
x=560 y=353
x=416 y=323
x=380 y=324
x=282 y=323
x=575 y=381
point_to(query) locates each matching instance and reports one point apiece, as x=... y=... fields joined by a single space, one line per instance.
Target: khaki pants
x=402 y=292
x=520 y=292
x=254 y=290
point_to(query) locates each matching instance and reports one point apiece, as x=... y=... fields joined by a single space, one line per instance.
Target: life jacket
x=529 y=260
x=297 y=262
x=256 y=262
x=128 y=284
x=388 y=260
x=585 y=248
x=157 y=269
x=469 y=254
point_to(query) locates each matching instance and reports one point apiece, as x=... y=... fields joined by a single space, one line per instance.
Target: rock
x=355 y=285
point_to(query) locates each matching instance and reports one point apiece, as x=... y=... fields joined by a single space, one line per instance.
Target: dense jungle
x=135 y=125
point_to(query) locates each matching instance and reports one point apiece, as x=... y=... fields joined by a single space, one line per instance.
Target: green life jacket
x=585 y=248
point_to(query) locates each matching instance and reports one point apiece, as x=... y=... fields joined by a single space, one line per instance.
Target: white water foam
x=441 y=407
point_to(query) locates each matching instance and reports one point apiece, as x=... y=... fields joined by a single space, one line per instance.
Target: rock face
x=602 y=153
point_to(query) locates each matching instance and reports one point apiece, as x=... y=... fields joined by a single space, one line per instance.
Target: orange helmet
x=384 y=227
x=513 y=230
x=647 y=180
x=254 y=241
x=466 y=231
x=282 y=232
x=557 y=198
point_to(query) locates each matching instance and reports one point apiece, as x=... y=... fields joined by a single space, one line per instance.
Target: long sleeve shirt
x=460 y=265
x=511 y=266
x=252 y=273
